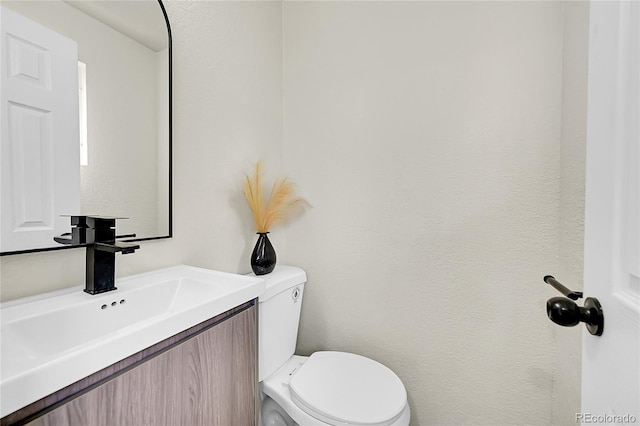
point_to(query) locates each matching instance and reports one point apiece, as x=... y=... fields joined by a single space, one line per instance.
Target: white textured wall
x=162 y=84
x=568 y=341
x=427 y=137
x=227 y=114
x=122 y=130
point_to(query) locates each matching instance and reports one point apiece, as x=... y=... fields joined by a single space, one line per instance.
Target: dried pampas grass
x=281 y=206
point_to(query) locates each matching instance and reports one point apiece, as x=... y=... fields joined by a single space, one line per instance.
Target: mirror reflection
x=85 y=118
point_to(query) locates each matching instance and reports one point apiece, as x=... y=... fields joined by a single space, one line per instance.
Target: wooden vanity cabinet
x=206 y=375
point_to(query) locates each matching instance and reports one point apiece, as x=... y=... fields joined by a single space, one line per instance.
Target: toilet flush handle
x=295 y=294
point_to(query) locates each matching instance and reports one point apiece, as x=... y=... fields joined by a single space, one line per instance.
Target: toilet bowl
x=315 y=398
x=326 y=388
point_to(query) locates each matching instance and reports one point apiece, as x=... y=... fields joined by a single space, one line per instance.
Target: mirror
x=86 y=119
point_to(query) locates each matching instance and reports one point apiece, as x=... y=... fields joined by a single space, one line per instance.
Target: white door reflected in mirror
x=40 y=152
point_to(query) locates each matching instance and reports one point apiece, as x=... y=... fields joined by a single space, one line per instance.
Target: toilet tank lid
x=282 y=277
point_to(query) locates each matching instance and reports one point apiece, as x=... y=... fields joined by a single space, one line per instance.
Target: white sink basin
x=53 y=340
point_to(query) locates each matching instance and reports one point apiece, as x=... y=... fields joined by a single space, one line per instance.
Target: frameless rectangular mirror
x=86 y=118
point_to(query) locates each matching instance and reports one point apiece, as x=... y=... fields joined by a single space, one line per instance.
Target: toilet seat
x=343 y=388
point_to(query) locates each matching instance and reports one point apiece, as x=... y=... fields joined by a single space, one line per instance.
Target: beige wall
x=427 y=137
x=227 y=114
x=431 y=139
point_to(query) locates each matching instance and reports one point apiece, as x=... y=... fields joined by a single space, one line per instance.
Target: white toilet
x=326 y=388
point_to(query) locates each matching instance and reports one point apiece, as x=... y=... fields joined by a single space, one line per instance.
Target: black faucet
x=98 y=234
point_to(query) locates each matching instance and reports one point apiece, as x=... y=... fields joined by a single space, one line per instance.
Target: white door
x=611 y=362
x=39 y=149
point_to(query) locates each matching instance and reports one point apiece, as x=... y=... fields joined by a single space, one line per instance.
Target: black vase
x=263 y=258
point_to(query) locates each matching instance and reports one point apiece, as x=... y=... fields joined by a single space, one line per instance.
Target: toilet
x=326 y=388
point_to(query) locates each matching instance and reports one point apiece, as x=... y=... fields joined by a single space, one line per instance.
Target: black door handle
x=567 y=313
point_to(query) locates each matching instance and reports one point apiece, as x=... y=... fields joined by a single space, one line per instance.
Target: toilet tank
x=279 y=316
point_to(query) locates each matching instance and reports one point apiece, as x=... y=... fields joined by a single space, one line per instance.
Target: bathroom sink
x=53 y=340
